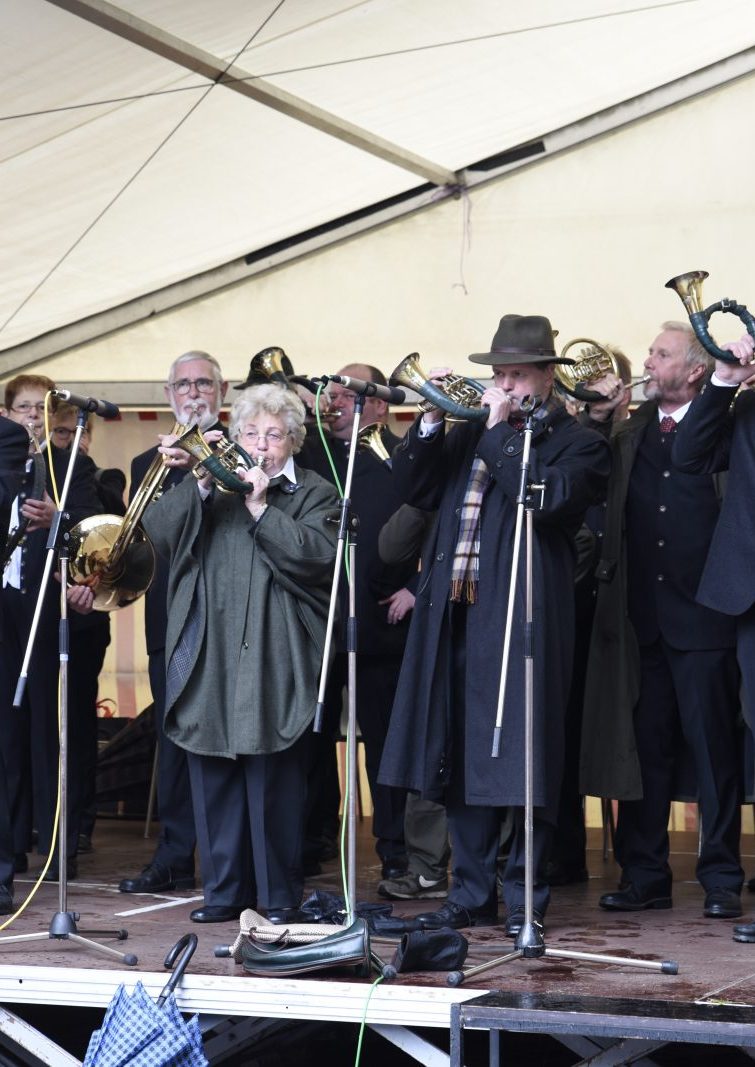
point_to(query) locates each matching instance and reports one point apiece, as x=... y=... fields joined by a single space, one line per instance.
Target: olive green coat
x=259 y=592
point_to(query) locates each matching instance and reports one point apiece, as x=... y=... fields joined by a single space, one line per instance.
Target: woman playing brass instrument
x=248 y=593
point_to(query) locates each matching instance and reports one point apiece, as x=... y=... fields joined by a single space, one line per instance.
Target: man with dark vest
x=442 y=726
x=195 y=392
x=719 y=435
x=662 y=670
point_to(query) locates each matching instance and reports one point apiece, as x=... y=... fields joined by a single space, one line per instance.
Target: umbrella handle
x=187 y=944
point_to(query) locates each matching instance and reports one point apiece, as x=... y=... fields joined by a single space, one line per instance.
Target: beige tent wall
x=587 y=237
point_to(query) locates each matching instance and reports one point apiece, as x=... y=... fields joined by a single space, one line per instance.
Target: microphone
x=88 y=403
x=383 y=392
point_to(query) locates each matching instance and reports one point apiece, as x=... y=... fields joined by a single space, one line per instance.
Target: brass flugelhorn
x=592 y=362
x=111 y=553
x=459 y=397
x=220 y=462
x=689 y=289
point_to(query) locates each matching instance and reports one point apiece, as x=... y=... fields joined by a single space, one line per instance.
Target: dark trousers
x=178 y=838
x=476 y=830
x=29 y=735
x=694 y=694
x=377 y=677
x=88 y=645
x=249 y=814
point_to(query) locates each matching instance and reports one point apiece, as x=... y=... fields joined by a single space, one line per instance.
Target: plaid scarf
x=465 y=571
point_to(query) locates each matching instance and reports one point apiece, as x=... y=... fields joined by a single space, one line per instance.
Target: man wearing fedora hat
x=440 y=738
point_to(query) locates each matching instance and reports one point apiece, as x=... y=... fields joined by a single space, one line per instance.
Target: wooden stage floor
x=712 y=967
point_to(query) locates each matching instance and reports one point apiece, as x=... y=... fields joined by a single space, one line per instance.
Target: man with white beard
x=195 y=391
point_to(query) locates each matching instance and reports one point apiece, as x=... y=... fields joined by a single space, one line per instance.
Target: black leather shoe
x=722 y=904
x=215 y=913
x=745 y=932
x=284 y=916
x=53 y=875
x=155 y=878
x=515 y=921
x=394 y=867
x=455 y=917
x=631 y=899
x=751 y=885
x=6 y=900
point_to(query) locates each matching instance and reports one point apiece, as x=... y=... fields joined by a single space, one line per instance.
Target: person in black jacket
x=195 y=392
x=14 y=450
x=383 y=608
x=30 y=735
x=717 y=436
x=440 y=738
x=662 y=670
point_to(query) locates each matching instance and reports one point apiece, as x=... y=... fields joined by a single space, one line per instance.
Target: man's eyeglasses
x=63 y=431
x=273 y=437
x=26 y=407
x=183 y=385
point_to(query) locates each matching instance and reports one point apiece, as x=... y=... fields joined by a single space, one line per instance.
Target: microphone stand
x=63 y=923
x=530 y=942
x=347 y=529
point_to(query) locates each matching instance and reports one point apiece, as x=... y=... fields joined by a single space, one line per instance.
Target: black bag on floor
x=431 y=950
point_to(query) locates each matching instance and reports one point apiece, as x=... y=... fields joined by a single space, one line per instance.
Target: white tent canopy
x=340 y=209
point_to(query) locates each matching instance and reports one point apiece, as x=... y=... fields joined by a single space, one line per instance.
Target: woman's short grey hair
x=269 y=400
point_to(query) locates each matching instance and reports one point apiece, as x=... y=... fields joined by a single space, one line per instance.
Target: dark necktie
x=517 y=422
x=668 y=425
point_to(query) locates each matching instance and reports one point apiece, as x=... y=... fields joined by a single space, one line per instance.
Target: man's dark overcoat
x=574 y=464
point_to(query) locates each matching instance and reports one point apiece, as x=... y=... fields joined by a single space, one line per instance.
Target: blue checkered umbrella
x=137 y=1032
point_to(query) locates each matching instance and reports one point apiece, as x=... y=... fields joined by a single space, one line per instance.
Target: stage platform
x=713 y=969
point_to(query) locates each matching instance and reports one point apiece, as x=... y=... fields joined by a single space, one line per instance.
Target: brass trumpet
x=112 y=554
x=689 y=288
x=459 y=397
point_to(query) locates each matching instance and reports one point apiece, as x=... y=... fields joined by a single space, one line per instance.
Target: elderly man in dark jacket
x=443 y=719
x=662 y=669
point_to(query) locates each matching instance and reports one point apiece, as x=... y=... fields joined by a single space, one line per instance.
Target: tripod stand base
x=455 y=978
x=63 y=928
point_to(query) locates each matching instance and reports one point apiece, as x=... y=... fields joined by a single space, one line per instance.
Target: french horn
x=459 y=397
x=689 y=288
x=591 y=362
x=370 y=439
x=111 y=553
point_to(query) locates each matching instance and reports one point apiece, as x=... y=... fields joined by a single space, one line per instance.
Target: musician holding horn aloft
x=719 y=435
x=662 y=675
x=442 y=726
x=248 y=591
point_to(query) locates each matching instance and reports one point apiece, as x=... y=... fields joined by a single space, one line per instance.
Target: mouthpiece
x=260 y=462
x=642 y=381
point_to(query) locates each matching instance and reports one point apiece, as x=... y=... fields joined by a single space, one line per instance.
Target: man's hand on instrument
x=174 y=457
x=399 y=604
x=501 y=405
x=40 y=513
x=734 y=374
x=80 y=598
x=614 y=390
